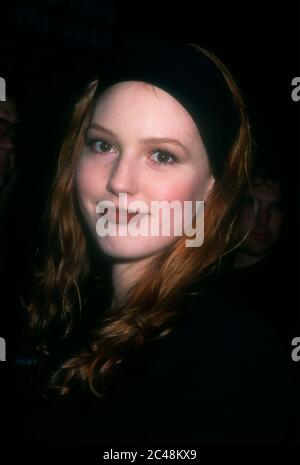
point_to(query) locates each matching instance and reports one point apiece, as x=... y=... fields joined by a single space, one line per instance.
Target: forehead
x=267 y=193
x=144 y=108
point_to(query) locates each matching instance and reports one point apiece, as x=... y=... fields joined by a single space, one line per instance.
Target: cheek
x=276 y=222
x=89 y=182
x=180 y=188
x=171 y=191
x=247 y=219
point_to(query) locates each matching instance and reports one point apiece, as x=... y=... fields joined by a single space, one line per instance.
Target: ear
x=209 y=185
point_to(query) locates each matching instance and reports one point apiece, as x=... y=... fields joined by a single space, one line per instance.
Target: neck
x=124 y=276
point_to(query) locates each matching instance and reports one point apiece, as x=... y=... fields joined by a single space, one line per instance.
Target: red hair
x=153 y=304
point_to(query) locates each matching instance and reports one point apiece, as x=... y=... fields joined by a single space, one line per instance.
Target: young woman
x=140 y=349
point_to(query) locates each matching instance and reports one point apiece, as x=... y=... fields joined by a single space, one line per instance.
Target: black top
x=269 y=288
x=220 y=377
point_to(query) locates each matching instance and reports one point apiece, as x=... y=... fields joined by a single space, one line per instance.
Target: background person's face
x=121 y=156
x=7 y=148
x=265 y=225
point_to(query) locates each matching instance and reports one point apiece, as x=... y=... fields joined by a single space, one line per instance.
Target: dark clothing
x=269 y=289
x=220 y=377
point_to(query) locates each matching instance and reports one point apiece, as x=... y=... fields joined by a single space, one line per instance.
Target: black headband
x=192 y=78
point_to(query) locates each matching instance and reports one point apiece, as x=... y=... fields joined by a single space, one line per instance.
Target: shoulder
x=219 y=333
x=221 y=316
x=234 y=361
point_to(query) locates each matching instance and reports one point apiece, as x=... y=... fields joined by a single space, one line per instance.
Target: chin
x=134 y=248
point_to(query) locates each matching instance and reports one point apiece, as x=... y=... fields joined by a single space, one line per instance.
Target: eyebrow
x=148 y=140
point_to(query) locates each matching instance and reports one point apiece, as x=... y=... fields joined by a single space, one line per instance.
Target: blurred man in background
x=260 y=221
x=260 y=270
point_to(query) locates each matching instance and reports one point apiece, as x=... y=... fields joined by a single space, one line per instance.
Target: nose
x=124 y=176
x=262 y=218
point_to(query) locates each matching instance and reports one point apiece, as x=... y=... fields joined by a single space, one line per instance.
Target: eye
x=162 y=157
x=99 y=145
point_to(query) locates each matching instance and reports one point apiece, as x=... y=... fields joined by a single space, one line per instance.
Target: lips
x=119 y=216
x=260 y=237
x=124 y=216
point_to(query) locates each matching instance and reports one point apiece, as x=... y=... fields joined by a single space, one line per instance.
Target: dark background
x=50 y=49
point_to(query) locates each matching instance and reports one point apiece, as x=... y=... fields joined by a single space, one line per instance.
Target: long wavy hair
x=152 y=304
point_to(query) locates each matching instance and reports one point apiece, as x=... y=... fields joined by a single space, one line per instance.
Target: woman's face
x=140 y=142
